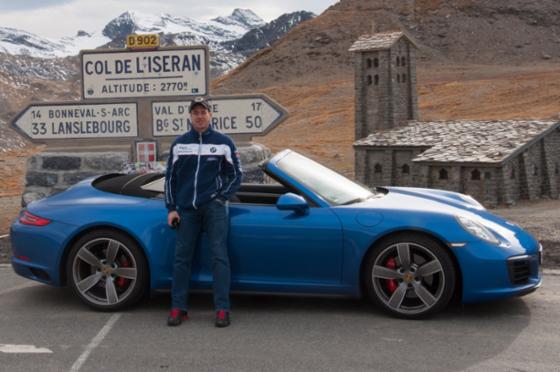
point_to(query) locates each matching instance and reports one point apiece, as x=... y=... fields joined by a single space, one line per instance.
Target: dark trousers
x=212 y=218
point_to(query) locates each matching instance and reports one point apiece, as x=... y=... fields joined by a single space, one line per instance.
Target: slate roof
x=382 y=40
x=462 y=141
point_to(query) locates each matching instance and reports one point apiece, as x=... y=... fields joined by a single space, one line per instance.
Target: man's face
x=200 y=118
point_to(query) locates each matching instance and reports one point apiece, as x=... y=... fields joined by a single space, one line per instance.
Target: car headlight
x=477 y=229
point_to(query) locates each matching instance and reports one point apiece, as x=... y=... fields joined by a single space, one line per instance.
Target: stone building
x=496 y=162
x=385 y=82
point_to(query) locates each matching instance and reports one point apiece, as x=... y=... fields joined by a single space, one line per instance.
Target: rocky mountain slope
x=502 y=32
x=24 y=79
x=263 y=36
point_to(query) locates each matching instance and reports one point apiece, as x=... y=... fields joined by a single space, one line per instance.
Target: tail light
x=30 y=219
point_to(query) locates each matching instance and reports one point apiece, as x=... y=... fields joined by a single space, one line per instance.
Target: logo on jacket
x=212 y=149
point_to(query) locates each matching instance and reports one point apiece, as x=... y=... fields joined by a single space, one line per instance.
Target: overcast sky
x=55 y=18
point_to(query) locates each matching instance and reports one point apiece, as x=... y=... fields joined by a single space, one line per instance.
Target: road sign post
x=235 y=115
x=165 y=72
x=42 y=122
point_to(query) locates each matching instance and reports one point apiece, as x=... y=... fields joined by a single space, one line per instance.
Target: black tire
x=107 y=270
x=413 y=287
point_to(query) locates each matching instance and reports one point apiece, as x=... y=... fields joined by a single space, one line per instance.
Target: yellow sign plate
x=143 y=41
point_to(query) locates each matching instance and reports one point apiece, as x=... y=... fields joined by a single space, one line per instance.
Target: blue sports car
x=314 y=232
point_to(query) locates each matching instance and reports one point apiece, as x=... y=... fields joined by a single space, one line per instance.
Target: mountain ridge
x=219 y=34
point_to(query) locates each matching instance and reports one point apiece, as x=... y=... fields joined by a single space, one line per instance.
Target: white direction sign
x=251 y=114
x=77 y=120
x=162 y=72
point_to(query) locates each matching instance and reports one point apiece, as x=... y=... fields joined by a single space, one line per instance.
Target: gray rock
x=29 y=197
x=61 y=162
x=75 y=177
x=253 y=175
x=254 y=153
x=41 y=179
x=105 y=162
x=33 y=162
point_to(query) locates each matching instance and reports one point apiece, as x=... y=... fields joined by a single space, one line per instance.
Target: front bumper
x=490 y=272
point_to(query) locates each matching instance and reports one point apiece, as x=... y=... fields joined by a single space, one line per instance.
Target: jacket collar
x=208 y=131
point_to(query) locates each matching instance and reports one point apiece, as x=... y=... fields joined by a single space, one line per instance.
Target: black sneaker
x=222 y=318
x=176 y=317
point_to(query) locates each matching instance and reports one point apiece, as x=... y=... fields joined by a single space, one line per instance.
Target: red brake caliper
x=391 y=283
x=122 y=282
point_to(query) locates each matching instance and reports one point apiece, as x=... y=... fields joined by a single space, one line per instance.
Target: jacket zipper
x=197 y=168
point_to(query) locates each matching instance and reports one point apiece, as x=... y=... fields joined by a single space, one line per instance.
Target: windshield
x=331 y=186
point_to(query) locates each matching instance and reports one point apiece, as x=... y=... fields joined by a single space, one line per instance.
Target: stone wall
x=532 y=162
x=532 y=174
x=51 y=172
x=444 y=177
x=403 y=167
x=551 y=146
x=510 y=181
x=379 y=167
x=373 y=92
x=387 y=166
x=251 y=155
x=482 y=184
x=403 y=82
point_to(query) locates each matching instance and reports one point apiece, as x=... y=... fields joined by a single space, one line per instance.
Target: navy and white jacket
x=201 y=167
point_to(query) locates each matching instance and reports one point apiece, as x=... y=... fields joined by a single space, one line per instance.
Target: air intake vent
x=41 y=274
x=519 y=269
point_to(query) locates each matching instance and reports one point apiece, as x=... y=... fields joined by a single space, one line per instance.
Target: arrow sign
x=77 y=120
x=245 y=114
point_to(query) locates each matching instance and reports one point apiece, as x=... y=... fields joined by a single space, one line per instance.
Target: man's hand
x=173 y=216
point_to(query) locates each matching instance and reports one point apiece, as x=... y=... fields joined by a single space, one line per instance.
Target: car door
x=272 y=248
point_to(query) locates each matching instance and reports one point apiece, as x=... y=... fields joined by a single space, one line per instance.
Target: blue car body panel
x=272 y=250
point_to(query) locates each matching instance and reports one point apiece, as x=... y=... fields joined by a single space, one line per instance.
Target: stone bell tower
x=385 y=82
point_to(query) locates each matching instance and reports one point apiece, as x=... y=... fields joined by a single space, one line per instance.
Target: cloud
x=10 y=6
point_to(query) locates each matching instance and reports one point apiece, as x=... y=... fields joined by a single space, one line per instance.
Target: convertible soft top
x=127 y=184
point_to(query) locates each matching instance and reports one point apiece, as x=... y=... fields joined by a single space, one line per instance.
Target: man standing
x=203 y=172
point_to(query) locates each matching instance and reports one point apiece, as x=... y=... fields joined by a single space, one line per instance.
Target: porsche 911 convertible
x=314 y=231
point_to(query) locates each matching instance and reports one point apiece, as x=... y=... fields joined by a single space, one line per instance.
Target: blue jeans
x=213 y=218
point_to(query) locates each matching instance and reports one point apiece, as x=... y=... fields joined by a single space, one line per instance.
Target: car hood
x=441 y=202
x=440 y=198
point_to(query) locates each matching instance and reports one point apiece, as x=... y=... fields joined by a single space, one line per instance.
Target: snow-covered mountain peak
x=244 y=18
x=21 y=42
x=130 y=22
x=18 y=42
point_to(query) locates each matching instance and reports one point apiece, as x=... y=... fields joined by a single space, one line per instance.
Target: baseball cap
x=199 y=101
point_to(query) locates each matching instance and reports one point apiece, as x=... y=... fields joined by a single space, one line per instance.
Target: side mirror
x=292 y=202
